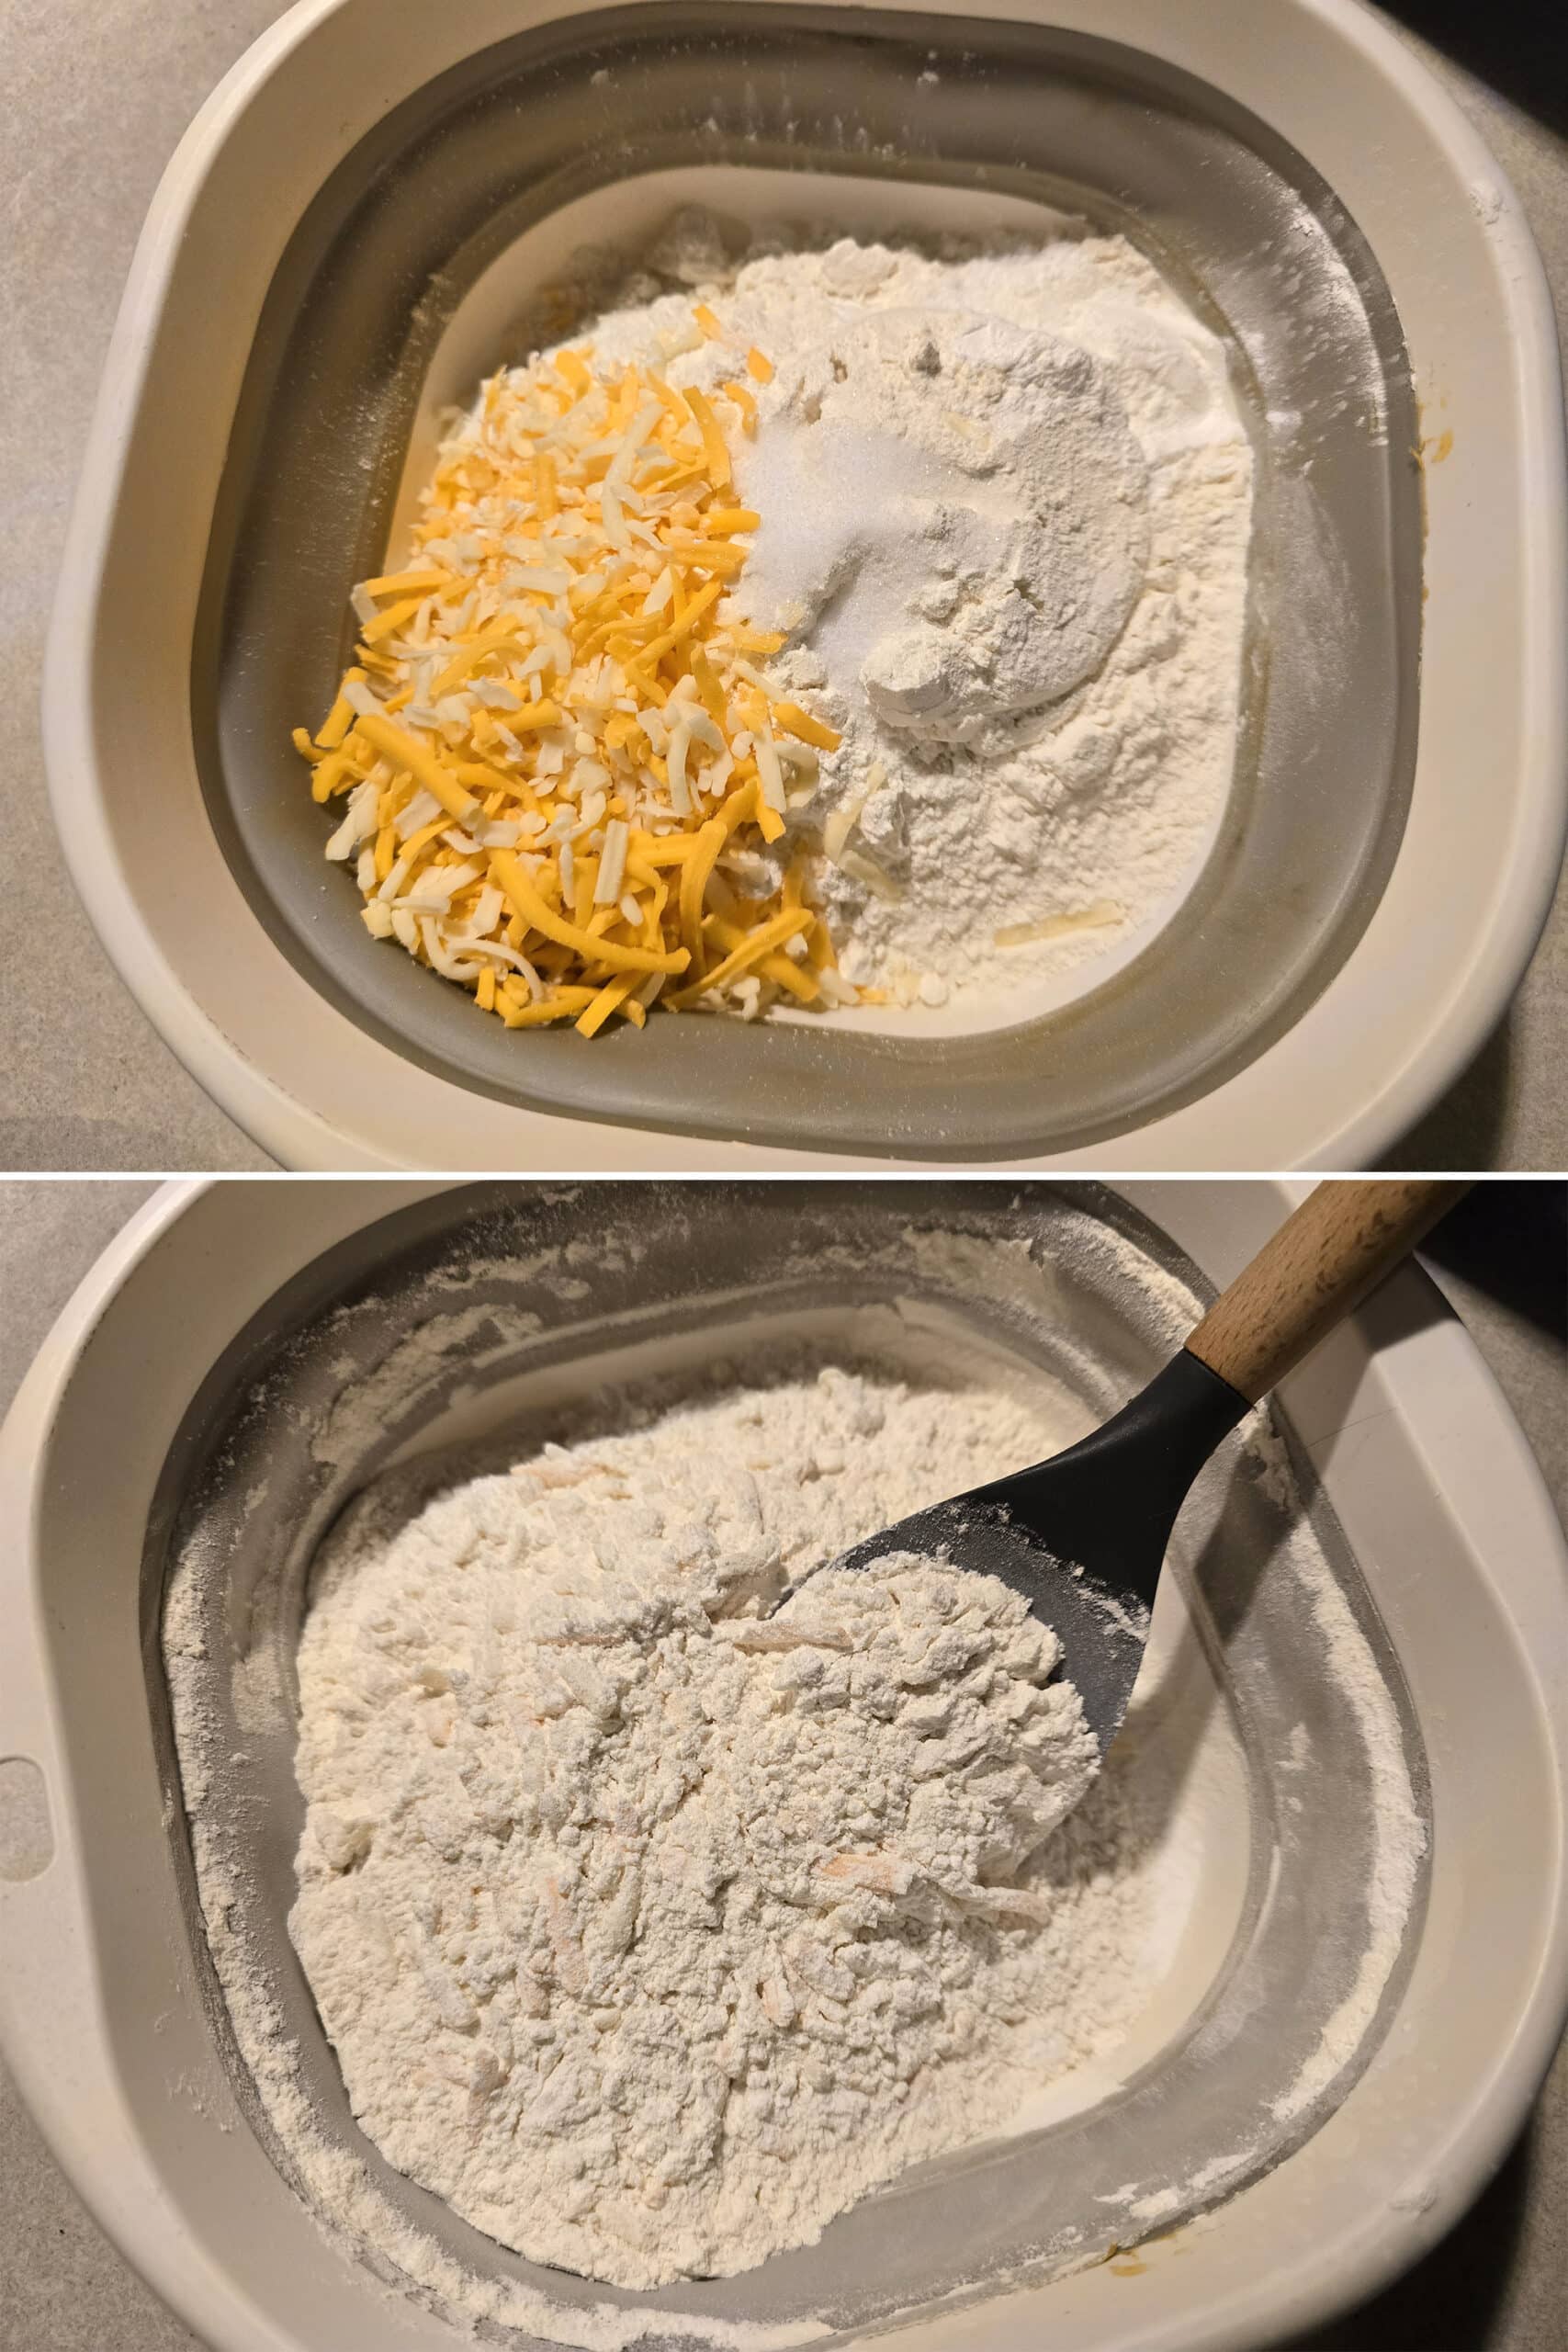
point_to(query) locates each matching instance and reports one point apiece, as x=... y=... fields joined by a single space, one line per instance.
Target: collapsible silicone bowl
x=303 y=294
x=190 y=1421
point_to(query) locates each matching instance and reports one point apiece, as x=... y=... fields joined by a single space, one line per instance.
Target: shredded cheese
x=800 y=723
x=552 y=728
x=1091 y=918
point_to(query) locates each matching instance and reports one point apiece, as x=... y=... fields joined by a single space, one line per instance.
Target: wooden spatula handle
x=1321 y=1263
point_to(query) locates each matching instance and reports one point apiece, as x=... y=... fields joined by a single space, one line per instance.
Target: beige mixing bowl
x=1335 y=2055
x=335 y=250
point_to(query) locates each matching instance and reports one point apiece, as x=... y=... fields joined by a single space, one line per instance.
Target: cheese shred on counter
x=559 y=754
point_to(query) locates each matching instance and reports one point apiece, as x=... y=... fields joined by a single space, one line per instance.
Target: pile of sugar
x=1005 y=496
x=652 y=1929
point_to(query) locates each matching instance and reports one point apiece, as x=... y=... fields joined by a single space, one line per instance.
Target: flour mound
x=1005 y=503
x=1002 y=536
x=652 y=1929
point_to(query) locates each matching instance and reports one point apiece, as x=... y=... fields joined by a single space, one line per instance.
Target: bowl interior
x=479 y=184
x=1266 y=1791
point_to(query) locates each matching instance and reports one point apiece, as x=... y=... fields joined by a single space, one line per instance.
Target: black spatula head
x=1083 y=1536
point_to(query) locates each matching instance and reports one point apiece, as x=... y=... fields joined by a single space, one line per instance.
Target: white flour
x=1006 y=497
x=651 y=1932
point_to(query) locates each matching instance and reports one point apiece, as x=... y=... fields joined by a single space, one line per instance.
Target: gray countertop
x=1497 y=2283
x=85 y=1082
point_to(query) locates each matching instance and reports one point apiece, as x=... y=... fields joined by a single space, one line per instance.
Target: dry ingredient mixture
x=851 y=624
x=1136 y=1886
x=651 y=1930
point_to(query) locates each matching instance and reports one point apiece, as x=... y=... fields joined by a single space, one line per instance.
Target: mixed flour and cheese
x=823 y=625
x=652 y=1929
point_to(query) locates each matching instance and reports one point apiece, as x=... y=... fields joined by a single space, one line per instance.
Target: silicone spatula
x=1084 y=1535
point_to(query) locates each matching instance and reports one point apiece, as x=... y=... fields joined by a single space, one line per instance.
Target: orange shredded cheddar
x=746 y=401
x=714 y=451
x=807 y=730
x=539 y=729
x=610 y=999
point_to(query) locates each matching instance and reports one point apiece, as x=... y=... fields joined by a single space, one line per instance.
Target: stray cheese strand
x=557 y=757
